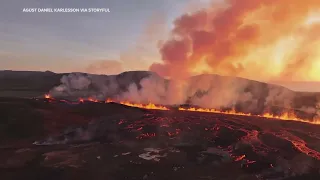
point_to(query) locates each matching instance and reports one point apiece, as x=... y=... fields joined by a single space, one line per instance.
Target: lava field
x=91 y=140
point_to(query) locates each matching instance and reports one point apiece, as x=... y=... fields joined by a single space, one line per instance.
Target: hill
x=206 y=90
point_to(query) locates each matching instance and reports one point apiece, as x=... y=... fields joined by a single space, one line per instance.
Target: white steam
x=208 y=91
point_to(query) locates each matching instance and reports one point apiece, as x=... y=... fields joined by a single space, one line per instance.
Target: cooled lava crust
x=43 y=139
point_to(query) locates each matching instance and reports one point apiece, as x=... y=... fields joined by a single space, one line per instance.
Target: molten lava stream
x=301 y=145
x=284 y=116
x=142 y=106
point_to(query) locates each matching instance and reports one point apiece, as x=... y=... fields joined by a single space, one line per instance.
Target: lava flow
x=284 y=116
x=143 y=106
x=77 y=134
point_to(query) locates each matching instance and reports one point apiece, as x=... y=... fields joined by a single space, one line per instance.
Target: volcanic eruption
x=262 y=40
x=207 y=110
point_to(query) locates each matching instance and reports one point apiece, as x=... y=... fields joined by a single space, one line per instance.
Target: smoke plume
x=265 y=39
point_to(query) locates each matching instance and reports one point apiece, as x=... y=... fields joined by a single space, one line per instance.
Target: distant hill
x=28 y=80
x=27 y=83
x=36 y=83
x=249 y=92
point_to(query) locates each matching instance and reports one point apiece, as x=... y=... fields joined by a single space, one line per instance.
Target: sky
x=68 y=42
x=126 y=38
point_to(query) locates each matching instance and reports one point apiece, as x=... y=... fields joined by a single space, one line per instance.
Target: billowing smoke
x=280 y=97
x=263 y=40
x=76 y=85
x=208 y=91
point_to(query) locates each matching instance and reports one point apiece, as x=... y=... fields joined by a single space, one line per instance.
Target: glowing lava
x=285 y=116
x=143 y=106
x=147 y=106
x=92 y=100
x=47 y=96
x=214 y=111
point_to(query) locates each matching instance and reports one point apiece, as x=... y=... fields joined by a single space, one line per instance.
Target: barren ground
x=57 y=140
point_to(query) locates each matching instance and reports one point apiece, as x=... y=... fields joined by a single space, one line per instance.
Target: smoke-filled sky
x=270 y=40
x=265 y=39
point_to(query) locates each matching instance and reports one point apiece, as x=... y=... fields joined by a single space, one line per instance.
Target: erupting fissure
x=144 y=106
x=285 y=116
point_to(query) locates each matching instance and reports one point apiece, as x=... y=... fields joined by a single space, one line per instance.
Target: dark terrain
x=51 y=139
x=46 y=139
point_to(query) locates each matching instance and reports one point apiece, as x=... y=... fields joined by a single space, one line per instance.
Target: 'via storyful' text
x=65 y=10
